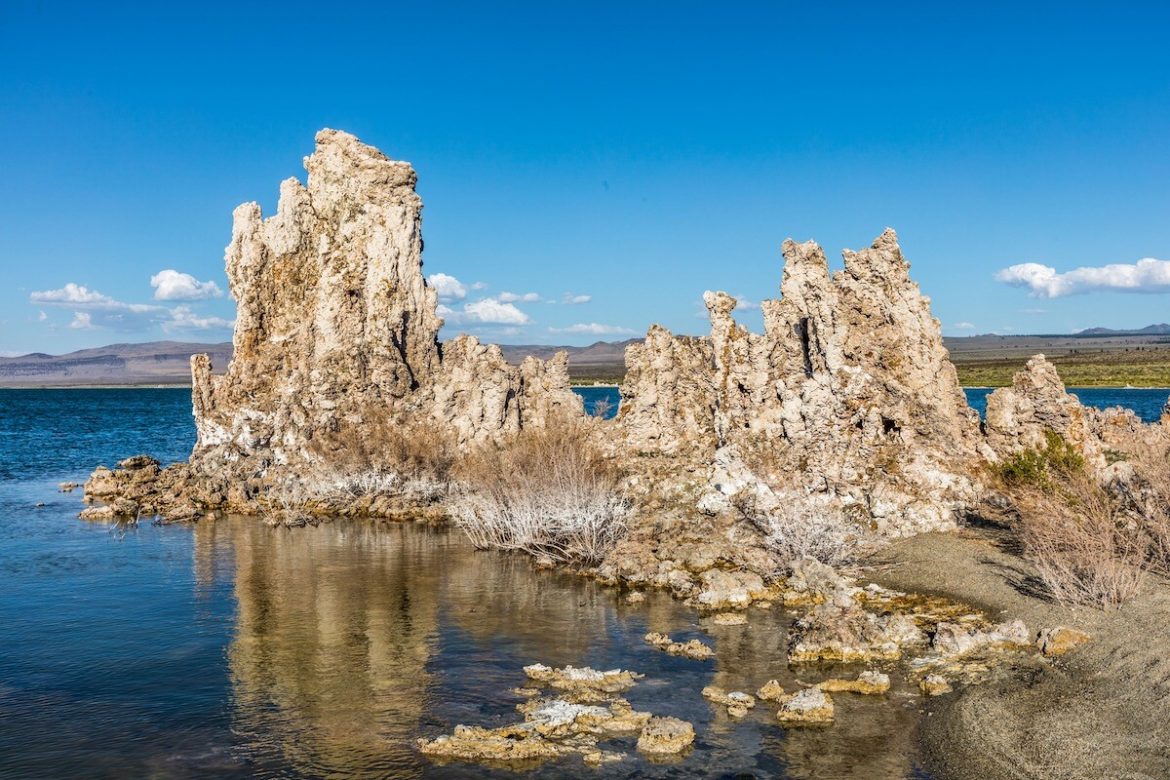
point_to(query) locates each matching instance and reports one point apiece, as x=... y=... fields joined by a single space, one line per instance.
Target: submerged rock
x=517 y=743
x=665 y=735
x=737 y=702
x=770 y=691
x=692 y=648
x=572 y=678
x=868 y=682
x=811 y=706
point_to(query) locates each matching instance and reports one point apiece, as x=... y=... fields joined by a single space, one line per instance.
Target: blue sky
x=624 y=156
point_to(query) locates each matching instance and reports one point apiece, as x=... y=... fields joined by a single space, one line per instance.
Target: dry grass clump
x=1091 y=542
x=1077 y=535
x=547 y=492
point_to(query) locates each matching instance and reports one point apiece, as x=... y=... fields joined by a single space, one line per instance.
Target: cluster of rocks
x=585 y=710
x=335 y=343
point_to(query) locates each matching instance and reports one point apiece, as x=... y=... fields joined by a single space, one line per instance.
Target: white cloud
x=479 y=285
x=41 y=316
x=92 y=309
x=490 y=311
x=595 y=329
x=573 y=300
x=1033 y=311
x=745 y=304
x=172 y=285
x=183 y=318
x=964 y=326
x=78 y=295
x=510 y=297
x=448 y=287
x=1145 y=276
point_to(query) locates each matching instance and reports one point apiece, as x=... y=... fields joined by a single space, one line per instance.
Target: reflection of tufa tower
x=336 y=625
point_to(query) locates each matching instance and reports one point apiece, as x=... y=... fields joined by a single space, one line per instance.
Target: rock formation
x=1020 y=416
x=336 y=327
x=849 y=394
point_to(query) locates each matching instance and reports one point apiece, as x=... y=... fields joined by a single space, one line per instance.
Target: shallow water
x=232 y=649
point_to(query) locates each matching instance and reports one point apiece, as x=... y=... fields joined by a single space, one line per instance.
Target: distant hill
x=168 y=363
x=1161 y=329
x=151 y=363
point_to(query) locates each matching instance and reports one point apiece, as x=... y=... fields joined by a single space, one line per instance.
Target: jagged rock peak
x=336 y=325
x=849 y=392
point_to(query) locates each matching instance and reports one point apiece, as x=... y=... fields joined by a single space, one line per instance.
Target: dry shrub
x=1078 y=536
x=1087 y=543
x=547 y=492
x=382 y=457
x=797 y=529
x=1148 y=494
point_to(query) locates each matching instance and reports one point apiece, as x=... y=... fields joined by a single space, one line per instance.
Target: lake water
x=1146 y=402
x=230 y=649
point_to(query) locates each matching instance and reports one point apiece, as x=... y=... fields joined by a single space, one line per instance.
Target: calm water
x=229 y=649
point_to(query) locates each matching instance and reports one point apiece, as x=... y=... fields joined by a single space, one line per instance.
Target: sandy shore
x=1103 y=711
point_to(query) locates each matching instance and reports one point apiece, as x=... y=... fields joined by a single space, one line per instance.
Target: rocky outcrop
x=1036 y=405
x=848 y=394
x=336 y=326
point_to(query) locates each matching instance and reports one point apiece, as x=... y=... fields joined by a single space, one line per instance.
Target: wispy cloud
x=595 y=329
x=1042 y=281
x=172 y=285
x=93 y=309
x=510 y=297
x=964 y=326
x=184 y=319
x=75 y=295
x=575 y=299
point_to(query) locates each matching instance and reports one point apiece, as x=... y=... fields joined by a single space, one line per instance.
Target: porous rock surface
x=336 y=326
x=848 y=394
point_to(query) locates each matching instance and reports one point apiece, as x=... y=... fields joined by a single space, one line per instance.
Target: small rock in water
x=574 y=678
x=693 y=649
x=635 y=597
x=867 y=682
x=812 y=706
x=102 y=512
x=729 y=619
x=737 y=702
x=67 y=487
x=770 y=691
x=934 y=685
x=665 y=735
x=1060 y=640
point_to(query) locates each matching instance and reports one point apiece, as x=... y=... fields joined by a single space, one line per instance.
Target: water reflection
x=352 y=640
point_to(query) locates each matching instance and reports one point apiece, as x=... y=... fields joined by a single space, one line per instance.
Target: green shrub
x=1037 y=467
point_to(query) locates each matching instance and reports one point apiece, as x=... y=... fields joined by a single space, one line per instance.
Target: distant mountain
x=1161 y=329
x=152 y=363
x=168 y=363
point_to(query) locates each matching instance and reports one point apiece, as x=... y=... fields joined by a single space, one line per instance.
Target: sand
x=1102 y=711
